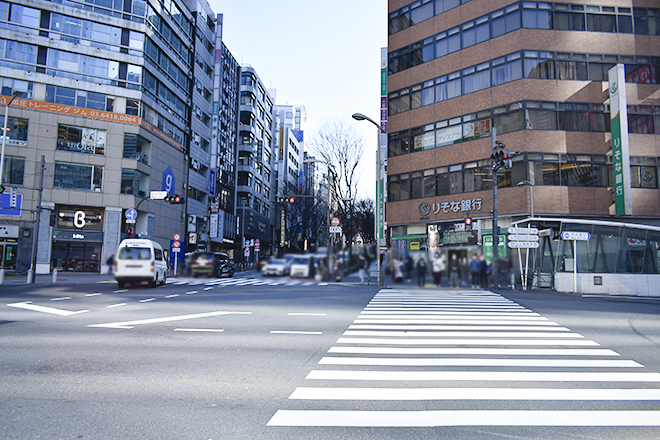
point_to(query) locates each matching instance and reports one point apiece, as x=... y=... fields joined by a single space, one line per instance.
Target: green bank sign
x=620 y=144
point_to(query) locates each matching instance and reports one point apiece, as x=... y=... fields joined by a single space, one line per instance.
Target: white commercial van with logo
x=140 y=260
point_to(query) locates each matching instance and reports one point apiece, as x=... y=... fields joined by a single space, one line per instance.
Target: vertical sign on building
x=620 y=144
x=382 y=149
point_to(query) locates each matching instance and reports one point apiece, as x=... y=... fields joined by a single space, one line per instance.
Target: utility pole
x=35 y=238
x=496 y=251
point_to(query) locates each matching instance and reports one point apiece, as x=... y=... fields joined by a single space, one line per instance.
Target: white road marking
x=315 y=393
x=472 y=362
x=457 y=327
x=172 y=296
x=308 y=314
x=115 y=305
x=477 y=351
x=208 y=288
x=147 y=300
x=459 y=334
x=209 y=330
x=508 y=342
x=291 y=332
x=121 y=290
x=475 y=316
x=192 y=292
x=463 y=418
x=131 y=324
x=513 y=376
x=27 y=305
x=94 y=294
x=432 y=313
x=61 y=299
x=448 y=320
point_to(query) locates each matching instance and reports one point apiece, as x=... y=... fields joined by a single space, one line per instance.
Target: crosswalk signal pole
x=496 y=252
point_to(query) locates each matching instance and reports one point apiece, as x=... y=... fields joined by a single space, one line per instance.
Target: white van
x=140 y=260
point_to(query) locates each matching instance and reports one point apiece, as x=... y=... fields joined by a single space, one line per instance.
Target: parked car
x=211 y=264
x=276 y=267
x=303 y=266
x=262 y=261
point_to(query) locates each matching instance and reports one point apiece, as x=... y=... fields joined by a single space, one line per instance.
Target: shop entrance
x=8 y=254
x=76 y=257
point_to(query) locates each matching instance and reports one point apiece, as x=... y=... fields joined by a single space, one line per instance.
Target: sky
x=323 y=54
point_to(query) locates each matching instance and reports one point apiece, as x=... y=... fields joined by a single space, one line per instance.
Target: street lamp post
x=531 y=192
x=361 y=117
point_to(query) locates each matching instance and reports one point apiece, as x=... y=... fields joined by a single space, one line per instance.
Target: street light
x=361 y=117
x=531 y=190
x=15 y=94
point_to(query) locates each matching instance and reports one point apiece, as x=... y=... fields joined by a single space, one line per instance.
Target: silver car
x=276 y=267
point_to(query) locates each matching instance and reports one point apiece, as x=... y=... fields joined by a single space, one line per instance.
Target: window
x=446 y=43
x=569 y=21
x=14 y=169
x=538 y=67
x=17 y=130
x=77 y=177
x=134 y=183
x=448 y=86
x=504 y=72
x=475 y=32
x=136 y=147
x=601 y=23
x=534 y=18
x=81 y=139
x=476 y=78
x=505 y=20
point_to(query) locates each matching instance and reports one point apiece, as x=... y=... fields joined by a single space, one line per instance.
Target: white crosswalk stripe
x=242 y=281
x=459 y=345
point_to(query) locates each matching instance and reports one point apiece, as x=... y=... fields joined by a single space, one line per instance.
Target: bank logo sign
x=620 y=143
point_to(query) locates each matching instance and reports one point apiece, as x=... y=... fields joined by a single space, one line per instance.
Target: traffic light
x=53 y=219
x=129 y=232
x=506 y=158
x=292 y=199
x=174 y=199
x=468 y=224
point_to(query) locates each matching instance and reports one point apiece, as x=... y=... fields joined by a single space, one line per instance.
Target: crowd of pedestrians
x=475 y=273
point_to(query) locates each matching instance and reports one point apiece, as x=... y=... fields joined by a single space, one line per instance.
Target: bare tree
x=341 y=149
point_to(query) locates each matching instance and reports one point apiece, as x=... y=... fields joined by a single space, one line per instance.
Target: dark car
x=213 y=264
x=262 y=261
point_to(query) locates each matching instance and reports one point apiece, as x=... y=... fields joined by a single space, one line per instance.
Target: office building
x=537 y=73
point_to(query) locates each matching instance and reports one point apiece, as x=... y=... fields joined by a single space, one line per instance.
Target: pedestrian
x=439 y=266
x=483 y=272
x=396 y=271
x=111 y=263
x=475 y=269
x=362 y=262
x=409 y=265
x=454 y=271
x=421 y=272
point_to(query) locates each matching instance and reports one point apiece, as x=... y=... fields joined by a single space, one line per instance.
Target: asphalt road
x=247 y=359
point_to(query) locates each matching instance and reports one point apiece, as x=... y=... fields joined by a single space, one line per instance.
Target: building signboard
x=465 y=205
x=620 y=142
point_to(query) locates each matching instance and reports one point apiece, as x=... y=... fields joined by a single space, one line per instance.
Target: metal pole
x=574 y=266
x=379 y=277
x=35 y=238
x=531 y=190
x=496 y=252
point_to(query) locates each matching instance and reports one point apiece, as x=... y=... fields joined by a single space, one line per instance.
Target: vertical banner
x=382 y=151
x=620 y=143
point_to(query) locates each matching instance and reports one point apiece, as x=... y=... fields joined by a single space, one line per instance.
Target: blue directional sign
x=5 y=202
x=131 y=214
x=169 y=182
x=572 y=235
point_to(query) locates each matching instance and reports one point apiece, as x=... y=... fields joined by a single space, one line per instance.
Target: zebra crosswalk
x=242 y=281
x=454 y=351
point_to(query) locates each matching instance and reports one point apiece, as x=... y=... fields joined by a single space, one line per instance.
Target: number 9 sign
x=169 y=182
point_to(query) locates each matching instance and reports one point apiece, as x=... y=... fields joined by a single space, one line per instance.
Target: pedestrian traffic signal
x=53 y=219
x=129 y=232
x=468 y=224
x=174 y=199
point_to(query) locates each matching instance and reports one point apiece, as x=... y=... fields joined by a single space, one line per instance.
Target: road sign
x=523 y=244
x=334 y=221
x=571 y=235
x=177 y=237
x=176 y=244
x=335 y=229
x=13 y=197
x=176 y=249
x=129 y=221
x=157 y=195
x=131 y=214
x=534 y=231
x=523 y=238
